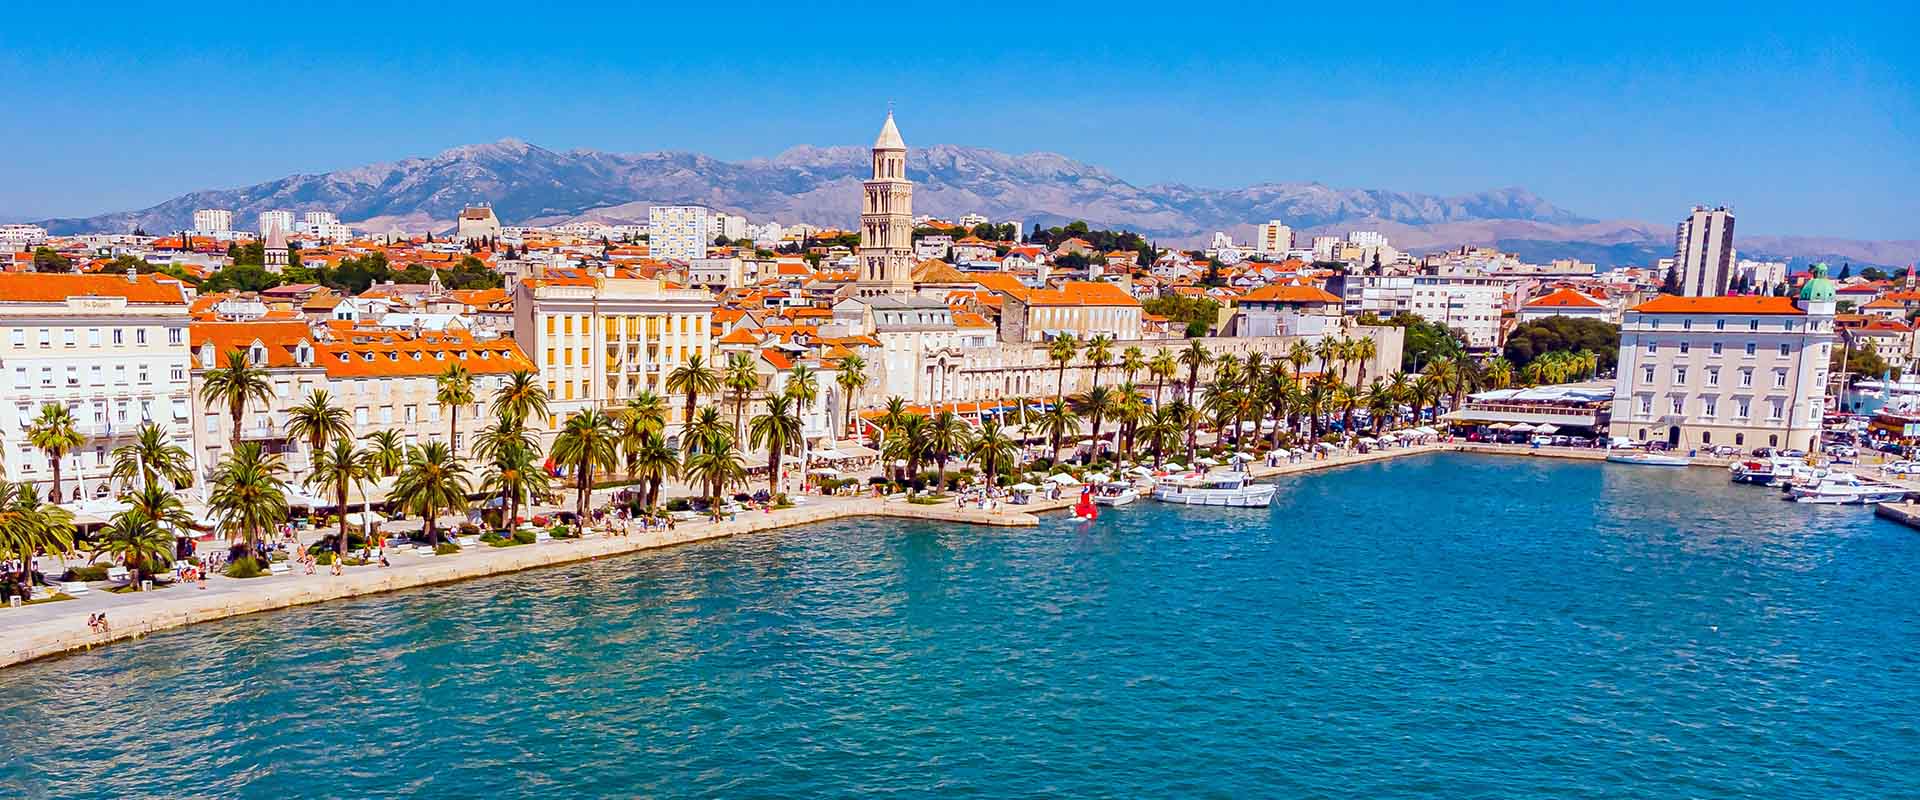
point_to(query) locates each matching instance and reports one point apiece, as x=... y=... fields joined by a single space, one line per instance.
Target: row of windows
x=564 y=324
x=1653 y=348
x=95 y=375
x=1786 y=324
x=1710 y=407
x=95 y=337
x=1713 y=376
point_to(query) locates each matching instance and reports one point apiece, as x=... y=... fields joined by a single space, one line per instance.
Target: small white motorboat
x=1115 y=493
x=1649 y=459
x=1233 y=489
x=1845 y=489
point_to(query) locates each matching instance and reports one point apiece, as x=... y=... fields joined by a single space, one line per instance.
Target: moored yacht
x=1235 y=489
x=1845 y=488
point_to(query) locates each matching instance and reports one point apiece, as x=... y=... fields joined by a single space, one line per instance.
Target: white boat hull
x=1648 y=460
x=1117 y=499
x=1251 y=496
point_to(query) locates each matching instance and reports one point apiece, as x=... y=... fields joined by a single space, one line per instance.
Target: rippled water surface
x=1446 y=626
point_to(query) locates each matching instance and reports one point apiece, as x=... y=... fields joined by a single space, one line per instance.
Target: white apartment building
x=1473 y=305
x=972 y=221
x=1275 y=237
x=15 y=238
x=277 y=220
x=1743 y=371
x=111 y=348
x=1703 y=251
x=213 y=222
x=1373 y=239
x=598 y=340
x=1763 y=275
x=679 y=233
x=732 y=226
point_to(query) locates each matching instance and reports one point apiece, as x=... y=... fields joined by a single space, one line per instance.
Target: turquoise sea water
x=1444 y=626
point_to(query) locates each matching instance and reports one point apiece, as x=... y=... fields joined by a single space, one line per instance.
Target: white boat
x=1235 y=489
x=1116 y=493
x=1845 y=488
x=1649 y=459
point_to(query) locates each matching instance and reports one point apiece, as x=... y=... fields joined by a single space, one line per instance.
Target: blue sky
x=1806 y=118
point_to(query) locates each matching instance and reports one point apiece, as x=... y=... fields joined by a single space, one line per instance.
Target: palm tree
x=1193 y=358
x=803 y=385
x=432 y=482
x=235 y=385
x=1426 y=391
x=453 y=389
x=1346 y=399
x=1444 y=371
x=1319 y=398
x=337 y=468
x=1058 y=421
x=514 y=471
x=1129 y=405
x=1226 y=381
x=716 y=466
x=1062 y=351
x=741 y=379
x=152 y=457
x=776 y=430
x=1164 y=428
x=1299 y=355
x=585 y=442
x=1402 y=391
x=318 y=420
x=645 y=414
x=29 y=527
x=137 y=541
x=1499 y=373
x=1363 y=351
x=852 y=378
x=1095 y=404
x=992 y=449
x=521 y=397
x=1132 y=361
x=1099 y=353
x=693 y=379
x=707 y=426
x=1381 y=403
x=249 y=492
x=909 y=442
x=386 y=451
x=946 y=435
x=56 y=434
x=894 y=415
x=1327 y=350
x=1163 y=366
x=656 y=463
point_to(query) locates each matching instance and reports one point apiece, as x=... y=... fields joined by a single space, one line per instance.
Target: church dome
x=1819 y=288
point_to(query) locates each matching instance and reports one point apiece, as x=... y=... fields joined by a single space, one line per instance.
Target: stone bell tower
x=886 y=219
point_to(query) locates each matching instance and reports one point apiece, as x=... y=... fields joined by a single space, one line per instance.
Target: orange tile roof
x=1289 y=293
x=279 y=339
x=740 y=336
x=1564 y=298
x=397 y=354
x=1082 y=293
x=44 y=287
x=1673 y=304
x=778 y=359
x=968 y=319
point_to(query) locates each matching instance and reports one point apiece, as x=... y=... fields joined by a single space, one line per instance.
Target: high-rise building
x=212 y=220
x=1703 y=251
x=680 y=233
x=275 y=220
x=886 y=219
x=1275 y=237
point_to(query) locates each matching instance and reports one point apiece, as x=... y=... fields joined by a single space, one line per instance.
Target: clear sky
x=1806 y=118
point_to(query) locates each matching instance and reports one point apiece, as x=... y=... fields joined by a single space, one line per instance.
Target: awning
x=1522 y=427
x=1064 y=479
x=1023 y=486
x=1545 y=428
x=1500 y=426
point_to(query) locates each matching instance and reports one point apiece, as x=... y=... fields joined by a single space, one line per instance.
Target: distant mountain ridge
x=528 y=184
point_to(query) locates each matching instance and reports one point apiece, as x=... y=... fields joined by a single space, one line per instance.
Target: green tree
x=234 y=386
x=514 y=472
x=946 y=436
x=337 y=468
x=587 y=442
x=56 y=434
x=45 y=259
x=152 y=457
x=432 y=482
x=1560 y=334
x=693 y=378
x=655 y=463
x=776 y=430
x=29 y=527
x=318 y=421
x=852 y=378
x=249 y=493
x=992 y=449
x=454 y=389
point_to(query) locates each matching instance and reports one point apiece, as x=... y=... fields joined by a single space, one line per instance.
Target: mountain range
x=528 y=184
